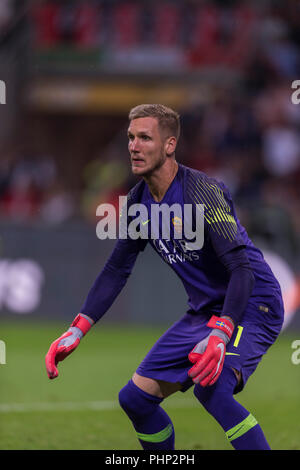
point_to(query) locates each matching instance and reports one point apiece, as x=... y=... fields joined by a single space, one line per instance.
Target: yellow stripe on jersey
x=217 y=211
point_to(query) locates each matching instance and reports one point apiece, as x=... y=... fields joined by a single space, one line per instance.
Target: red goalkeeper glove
x=67 y=343
x=209 y=354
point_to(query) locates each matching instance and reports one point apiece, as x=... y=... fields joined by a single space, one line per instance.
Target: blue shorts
x=168 y=358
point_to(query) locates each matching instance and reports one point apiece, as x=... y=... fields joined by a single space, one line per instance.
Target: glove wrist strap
x=82 y=322
x=221 y=323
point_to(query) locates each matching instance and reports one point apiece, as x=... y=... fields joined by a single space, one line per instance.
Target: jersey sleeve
x=222 y=231
x=222 y=234
x=220 y=221
x=222 y=225
x=240 y=285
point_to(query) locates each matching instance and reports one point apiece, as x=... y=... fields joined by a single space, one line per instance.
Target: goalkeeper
x=235 y=309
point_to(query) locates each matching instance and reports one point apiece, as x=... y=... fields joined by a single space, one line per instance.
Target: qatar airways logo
x=162 y=221
x=175 y=251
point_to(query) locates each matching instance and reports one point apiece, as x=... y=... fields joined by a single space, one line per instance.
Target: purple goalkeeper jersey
x=201 y=270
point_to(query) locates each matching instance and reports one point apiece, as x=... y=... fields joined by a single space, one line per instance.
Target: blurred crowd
x=252 y=143
x=6 y=13
x=246 y=134
x=208 y=32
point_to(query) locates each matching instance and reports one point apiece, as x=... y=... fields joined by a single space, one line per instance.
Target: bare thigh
x=158 y=388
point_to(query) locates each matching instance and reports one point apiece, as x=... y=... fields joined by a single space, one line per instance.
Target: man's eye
x=145 y=137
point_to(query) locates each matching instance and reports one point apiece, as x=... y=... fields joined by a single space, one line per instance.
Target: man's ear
x=170 y=146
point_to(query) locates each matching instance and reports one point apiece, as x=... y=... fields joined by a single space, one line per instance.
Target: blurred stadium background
x=72 y=70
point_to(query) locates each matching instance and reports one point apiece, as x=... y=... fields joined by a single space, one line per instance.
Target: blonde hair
x=168 y=119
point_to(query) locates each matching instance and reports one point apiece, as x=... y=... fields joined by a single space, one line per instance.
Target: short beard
x=157 y=165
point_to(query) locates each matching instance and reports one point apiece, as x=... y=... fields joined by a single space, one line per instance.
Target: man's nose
x=134 y=145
